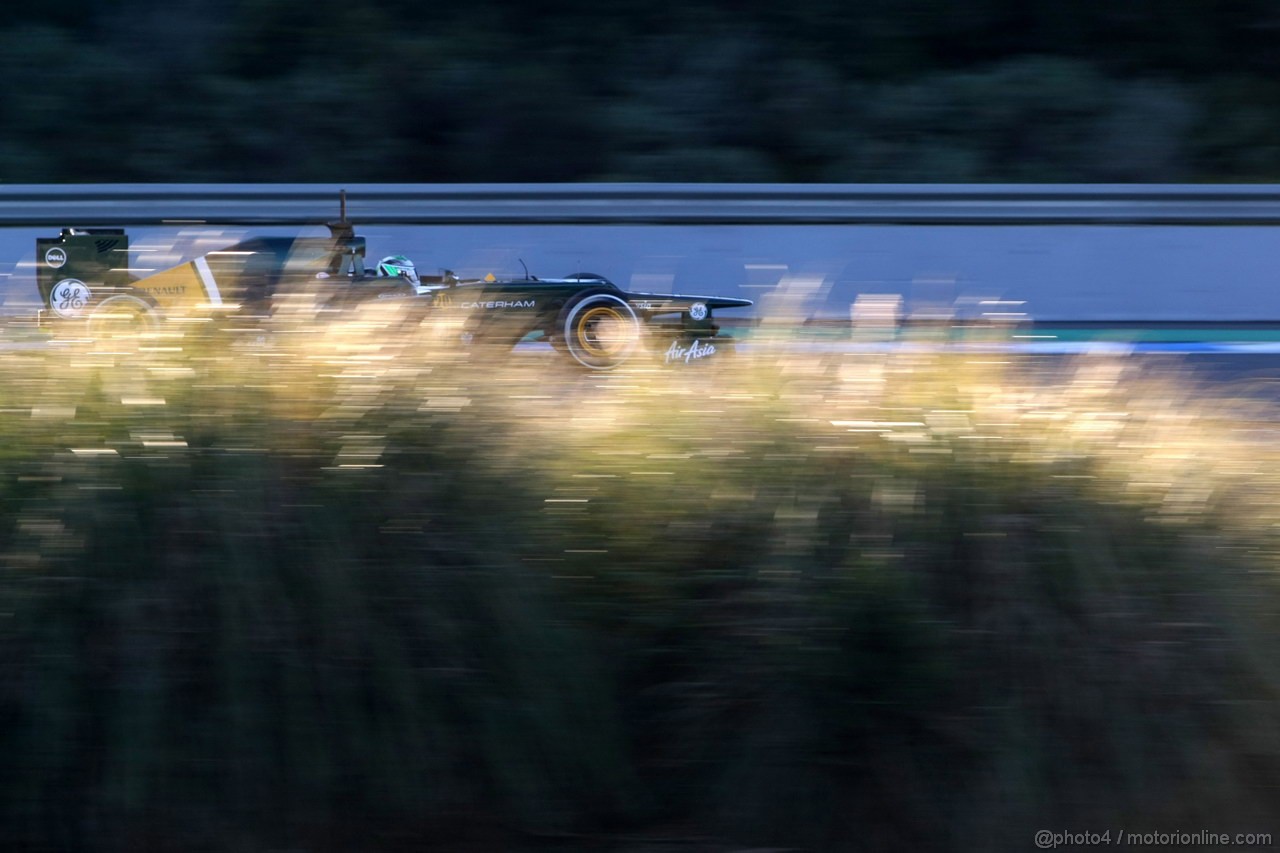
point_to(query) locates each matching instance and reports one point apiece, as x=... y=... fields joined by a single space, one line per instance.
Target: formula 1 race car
x=84 y=274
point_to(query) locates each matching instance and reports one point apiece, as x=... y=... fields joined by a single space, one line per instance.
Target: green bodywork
x=251 y=273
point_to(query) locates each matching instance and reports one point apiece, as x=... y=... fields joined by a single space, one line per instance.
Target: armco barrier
x=414 y=204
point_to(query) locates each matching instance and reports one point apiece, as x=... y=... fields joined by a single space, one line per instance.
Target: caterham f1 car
x=84 y=274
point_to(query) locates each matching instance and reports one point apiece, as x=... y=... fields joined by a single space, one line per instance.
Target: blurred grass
x=345 y=586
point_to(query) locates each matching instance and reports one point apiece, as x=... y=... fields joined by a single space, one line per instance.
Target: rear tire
x=122 y=315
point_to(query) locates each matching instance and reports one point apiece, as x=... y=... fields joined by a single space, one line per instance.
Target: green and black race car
x=85 y=274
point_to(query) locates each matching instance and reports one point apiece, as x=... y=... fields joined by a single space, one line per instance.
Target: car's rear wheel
x=122 y=315
x=599 y=330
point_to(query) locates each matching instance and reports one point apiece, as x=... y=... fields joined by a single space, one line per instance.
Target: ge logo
x=55 y=257
x=698 y=311
x=69 y=297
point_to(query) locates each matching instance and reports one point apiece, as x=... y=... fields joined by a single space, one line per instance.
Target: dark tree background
x=705 y=90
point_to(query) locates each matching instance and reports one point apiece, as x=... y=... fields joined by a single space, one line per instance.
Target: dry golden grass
x=319 y=582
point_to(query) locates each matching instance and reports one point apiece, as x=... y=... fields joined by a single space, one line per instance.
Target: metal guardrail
x=681 y=204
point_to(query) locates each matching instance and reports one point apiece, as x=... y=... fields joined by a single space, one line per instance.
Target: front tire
x=599 y=330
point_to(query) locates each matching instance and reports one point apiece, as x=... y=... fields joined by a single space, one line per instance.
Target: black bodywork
x=583 y=315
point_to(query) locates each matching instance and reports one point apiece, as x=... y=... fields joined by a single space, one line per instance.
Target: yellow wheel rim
x=603 y=331
x=121 y=317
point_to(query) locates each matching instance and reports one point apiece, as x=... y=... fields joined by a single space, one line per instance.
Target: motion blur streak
x=346 y=583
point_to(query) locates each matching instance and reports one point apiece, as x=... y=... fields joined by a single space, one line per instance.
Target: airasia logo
x=69 y=297
x=695 y=350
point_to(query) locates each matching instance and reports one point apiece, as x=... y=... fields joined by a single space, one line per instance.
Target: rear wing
x=81 y=266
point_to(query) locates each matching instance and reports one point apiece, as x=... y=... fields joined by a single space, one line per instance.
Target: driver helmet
x=398 y=265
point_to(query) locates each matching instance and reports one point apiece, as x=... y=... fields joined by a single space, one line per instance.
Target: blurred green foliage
x=565 y=90
x=366 y=592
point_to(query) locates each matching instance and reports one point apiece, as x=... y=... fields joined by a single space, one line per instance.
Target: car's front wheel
x=599 y=330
